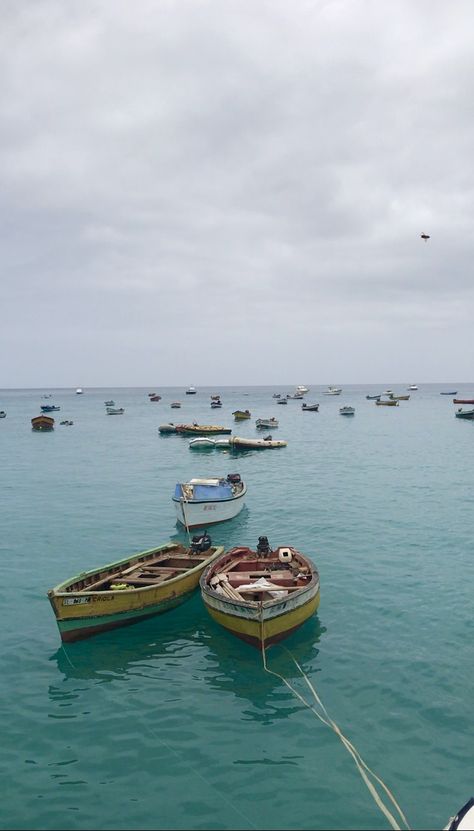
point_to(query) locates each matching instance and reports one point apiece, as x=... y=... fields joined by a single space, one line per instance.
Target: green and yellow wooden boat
x=241 y=415
x=261 y=596
x=130 y=590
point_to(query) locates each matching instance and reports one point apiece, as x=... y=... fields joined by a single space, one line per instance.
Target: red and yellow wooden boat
x=261 y=596
x=130 y=590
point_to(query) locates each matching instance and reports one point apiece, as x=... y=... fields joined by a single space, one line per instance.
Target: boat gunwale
x=57 y=590
x=206 y=588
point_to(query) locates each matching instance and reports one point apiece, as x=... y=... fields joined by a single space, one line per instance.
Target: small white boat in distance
x=79 y=391
x=333 y=391
x=191 y=391
x=255 y=444
x=301 y=389
x=201 y=442
x=412 y=387
x=311 y=408
x=266 y=423
x=202 y=502
x=347 y=410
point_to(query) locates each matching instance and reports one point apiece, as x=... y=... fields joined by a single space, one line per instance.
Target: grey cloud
x=247 y=161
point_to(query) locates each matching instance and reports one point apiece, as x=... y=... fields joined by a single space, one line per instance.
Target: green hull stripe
x=121 y=617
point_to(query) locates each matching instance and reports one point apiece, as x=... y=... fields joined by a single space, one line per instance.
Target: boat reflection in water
x=203 y=650
x=238 y=670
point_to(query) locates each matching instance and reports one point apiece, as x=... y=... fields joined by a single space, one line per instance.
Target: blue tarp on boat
x=207 y=493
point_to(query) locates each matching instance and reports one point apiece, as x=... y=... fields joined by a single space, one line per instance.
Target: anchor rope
x=362 y=767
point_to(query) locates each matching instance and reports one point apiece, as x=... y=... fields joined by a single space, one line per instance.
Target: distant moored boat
x=42 y=423
x=266 y=423
x=201 y=502
x=464 y=413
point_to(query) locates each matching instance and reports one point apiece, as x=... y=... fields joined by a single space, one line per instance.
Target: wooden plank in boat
x=161 y=569
x=144 y=562
x=274 y=587
x=148 y=581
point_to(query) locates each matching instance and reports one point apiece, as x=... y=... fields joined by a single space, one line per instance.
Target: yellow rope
x=362 y=767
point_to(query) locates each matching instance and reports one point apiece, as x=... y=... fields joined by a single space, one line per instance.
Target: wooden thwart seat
x=148 y=574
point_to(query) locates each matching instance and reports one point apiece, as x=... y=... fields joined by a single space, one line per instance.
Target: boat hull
x=80 y=629
x=42 y=423
x=202 y=443
x=202 y=514
x=254 y=444
x=167 y=428
x=463 y=400
x=268 y=631
x=465 y=414
x=81 y=614
x=201 y=430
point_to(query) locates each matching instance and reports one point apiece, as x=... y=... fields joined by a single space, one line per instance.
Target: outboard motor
x=233 y=478
x=200 y=542
x=263 y=546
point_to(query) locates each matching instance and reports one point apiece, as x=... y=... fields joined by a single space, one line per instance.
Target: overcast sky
x=233 y=191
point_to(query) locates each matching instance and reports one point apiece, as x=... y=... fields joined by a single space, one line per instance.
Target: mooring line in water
x=206 y=781
x=67 y=656
x=362 y=767
x=346 y=741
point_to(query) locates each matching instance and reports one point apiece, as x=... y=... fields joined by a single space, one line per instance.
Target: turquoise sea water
x=173 y=723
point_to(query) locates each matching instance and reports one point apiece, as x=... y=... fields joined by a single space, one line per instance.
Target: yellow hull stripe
x=112 y=603
x=272 y=627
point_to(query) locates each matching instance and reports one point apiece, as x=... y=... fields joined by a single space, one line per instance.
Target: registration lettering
x=73 y=601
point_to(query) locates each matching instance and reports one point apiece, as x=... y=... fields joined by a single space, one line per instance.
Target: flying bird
x=425 y=236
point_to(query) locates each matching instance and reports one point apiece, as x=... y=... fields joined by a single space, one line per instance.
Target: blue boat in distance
x=455 y=392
